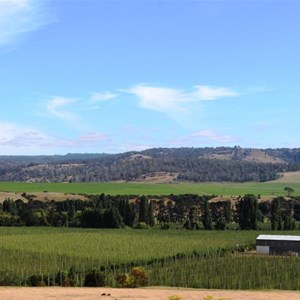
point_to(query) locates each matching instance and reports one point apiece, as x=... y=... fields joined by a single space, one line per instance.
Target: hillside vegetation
x=221 y=164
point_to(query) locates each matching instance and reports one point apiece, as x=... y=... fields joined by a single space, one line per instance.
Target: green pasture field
x=112 y=188
x=201 y=259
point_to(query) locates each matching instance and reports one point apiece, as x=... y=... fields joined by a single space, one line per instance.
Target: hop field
x=38 y=249
x=173 y=257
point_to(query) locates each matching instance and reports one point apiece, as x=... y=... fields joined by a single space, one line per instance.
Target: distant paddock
x=273 y=188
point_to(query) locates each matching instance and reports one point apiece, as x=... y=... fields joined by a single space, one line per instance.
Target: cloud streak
x=159 y=98
x=103 y=96
x=93 y=137
x=19 y=17
x=175 y=101
x=214 y=136
x=203 y=138
x=56 y=105
x=134 y=147
x=17 y=139
x=206 y=92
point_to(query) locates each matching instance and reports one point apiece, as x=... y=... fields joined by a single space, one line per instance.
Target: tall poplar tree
x=247 y=210
x=206 y=217
x=276 y=215
x=143 y=209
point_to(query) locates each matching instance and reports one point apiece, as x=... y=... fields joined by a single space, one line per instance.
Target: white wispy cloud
x=16 y=139
x=93 y=137
x=159 y=98
x=83 y=141
x=203 y=138
x=19 y=17
x=134 y=147
x=206 y=92
x=214 y=136
x=103 y=96
x=172 y=101
x=56 y=106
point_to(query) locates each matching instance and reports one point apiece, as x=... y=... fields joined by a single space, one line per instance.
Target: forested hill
x=157 y=164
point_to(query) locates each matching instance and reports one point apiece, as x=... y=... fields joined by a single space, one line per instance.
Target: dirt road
x=24 y=293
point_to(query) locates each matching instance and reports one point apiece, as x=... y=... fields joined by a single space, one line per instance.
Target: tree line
x=188 y=211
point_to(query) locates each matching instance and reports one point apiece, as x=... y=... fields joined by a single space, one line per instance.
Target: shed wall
x=278 y=247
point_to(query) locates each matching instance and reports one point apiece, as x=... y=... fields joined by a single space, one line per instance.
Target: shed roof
x=279 y=237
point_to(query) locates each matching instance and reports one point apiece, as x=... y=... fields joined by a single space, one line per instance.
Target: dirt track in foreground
x=23 y=293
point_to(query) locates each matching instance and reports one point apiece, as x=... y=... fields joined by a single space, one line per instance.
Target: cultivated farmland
x=113 y=188
x=174 y=257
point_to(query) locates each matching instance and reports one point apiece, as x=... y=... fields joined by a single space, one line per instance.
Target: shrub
x=62 y=279
x=165 y=226
x=74 y=276
x=124 y=280
x=136 y=278
x=94 y=278
x=7 y=280
x=139 y=276
x=36 y=280
x=141 y=225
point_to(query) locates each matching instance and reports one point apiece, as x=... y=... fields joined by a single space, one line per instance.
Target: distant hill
x=43 y=159
x=220 y=164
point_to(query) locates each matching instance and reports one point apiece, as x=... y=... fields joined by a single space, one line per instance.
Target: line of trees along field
x=189 y=211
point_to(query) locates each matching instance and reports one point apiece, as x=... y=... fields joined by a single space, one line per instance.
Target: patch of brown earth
x=42 y=196
x=253 y=155
x=158 y=177
x=289 y=177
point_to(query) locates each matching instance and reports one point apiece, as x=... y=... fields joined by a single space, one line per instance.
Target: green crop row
x=174 y=257
x=237 y=271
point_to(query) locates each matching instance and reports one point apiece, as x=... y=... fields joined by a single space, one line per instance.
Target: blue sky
x=114 y=76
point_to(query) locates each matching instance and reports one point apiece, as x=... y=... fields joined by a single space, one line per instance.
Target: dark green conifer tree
x=151 y=214
x=276 y=215
x=143 y=209
x=206 y=217
x=247 y=210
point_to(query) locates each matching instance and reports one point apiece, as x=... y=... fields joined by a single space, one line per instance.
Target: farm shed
x=278 y=244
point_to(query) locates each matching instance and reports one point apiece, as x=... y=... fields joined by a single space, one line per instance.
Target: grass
x=225 y=189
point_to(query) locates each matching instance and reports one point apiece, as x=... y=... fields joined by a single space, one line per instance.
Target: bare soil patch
x=158 y=177
x=26 y=293
x=234 y=199
x=12 y=196
x=289 y=177
x=42 y=196
x=253 y=156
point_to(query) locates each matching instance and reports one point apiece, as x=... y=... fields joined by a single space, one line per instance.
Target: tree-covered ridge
x=183 y=164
